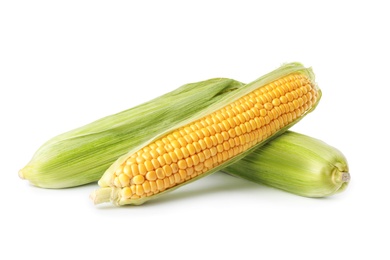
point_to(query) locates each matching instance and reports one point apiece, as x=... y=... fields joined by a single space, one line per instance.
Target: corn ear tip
x=346 y=177
x=101 y=195
x=23 y=172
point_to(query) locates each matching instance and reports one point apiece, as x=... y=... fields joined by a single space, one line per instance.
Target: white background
x=66 y=63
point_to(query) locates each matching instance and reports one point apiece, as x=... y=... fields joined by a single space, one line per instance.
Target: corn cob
x=295 y=163
x=211 y=140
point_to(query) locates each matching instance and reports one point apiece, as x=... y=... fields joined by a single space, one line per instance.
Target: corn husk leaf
x=295 y=163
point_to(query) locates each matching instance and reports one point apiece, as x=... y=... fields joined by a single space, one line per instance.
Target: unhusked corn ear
x=250 y=117
x=295 y=163
x=82 y=155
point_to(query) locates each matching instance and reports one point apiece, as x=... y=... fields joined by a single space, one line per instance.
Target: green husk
x=295 y=163
x=109 y=193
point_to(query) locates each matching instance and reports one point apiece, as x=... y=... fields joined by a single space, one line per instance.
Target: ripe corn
x=295 y=163
x=213 y=139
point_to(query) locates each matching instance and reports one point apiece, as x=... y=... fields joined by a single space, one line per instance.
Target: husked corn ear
x=295 y=163
x=207 y=144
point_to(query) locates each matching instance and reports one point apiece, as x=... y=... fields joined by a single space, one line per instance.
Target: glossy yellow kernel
x=175 y=144
x=268 y=106
x=139 y=159
x=232 y=134
x=155 y=163
x=139 y=190
x=231 y=143
x=151 y=176
x=167 y=184
x=177 y=177
x=225 y=155
x=226 y=125
x=211 y=130
x=161 y=150
x=191 y=149
x=185 y=152
x=199 y=167
x=253 y=124
x=226 y=145
x=207 y=153
x=126 y=192
x=216 y=128
x=188 y=139
x=159 y=143
x=176 y=134
x=141 y=169
x=167 y=170
x=132 y=187
x=146 y=186
x=199 y=134
x=190 y=171
x=153 y=186
x=171 y=180
x=182 y=173
x=220 y=137
x=236 y=142
x=167 y=158
x=197 y=146
x=153 y=153
x=263 y=112
x=225 y=136
x=139 y=179
x=182 y=164
x=202 y=144
x=182 y=132
x=165 y=140
x=173 y=156
x=205 y=132
x=201 y=157
x=221 y=126
x=194 y=137
x=214 y=151
x=148 y=165
x=130 y=162
x=160 y=185
x=189 y=162
x=295 y=103
x=208 y=141
x=276 y=102
x=160 y=173
x=243 y=128
x=124 y=180
x=195 y=159
x=123 y=169
x=242 y=140
x=179 y=153
x=175 y=167
x=248 y=126
x=289 y=97
x=182 y=142
x=241 y=118
x=161 y=160
x=147 y=156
